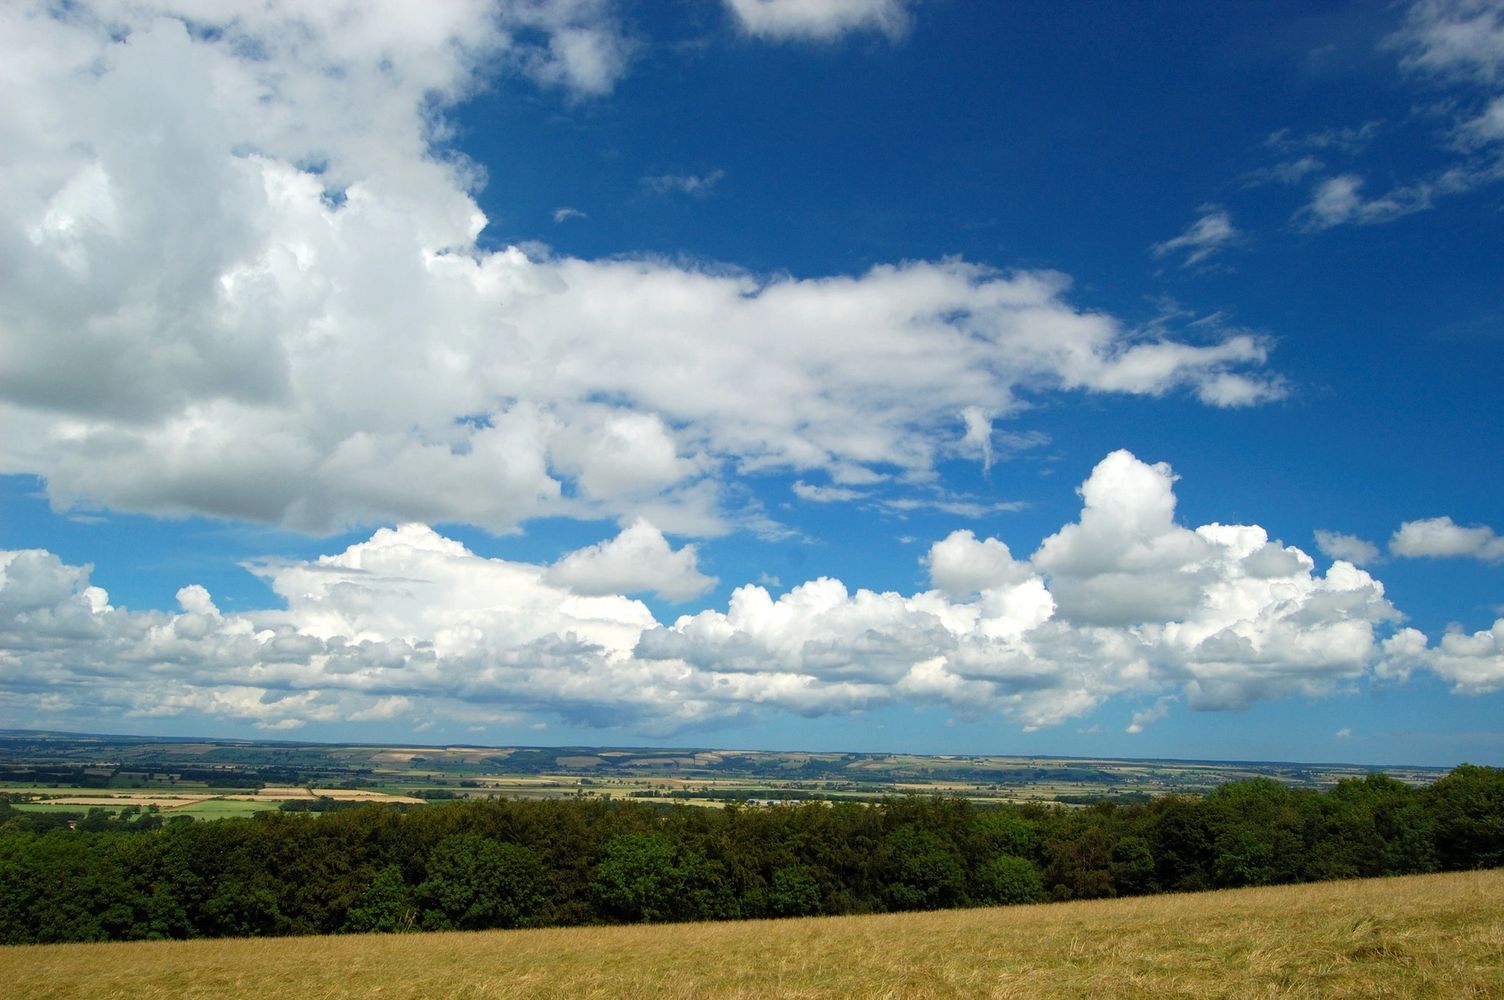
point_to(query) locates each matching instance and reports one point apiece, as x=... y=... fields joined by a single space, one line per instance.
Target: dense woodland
x=498 y=863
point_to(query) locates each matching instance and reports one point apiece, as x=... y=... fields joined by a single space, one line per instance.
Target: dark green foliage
x=924 y=870
x=472 y=883
x=794 y=893
x=1005 y=831
x=1009 y=879
x=1180 y=839
x=497 y=863
x=637 y=878
x=1079 y=860
x=1468 y=808
x=384 y=906
x=1132 y=866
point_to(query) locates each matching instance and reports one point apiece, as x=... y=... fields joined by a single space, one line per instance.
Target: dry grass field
x=1424 y=936
x=200 y=805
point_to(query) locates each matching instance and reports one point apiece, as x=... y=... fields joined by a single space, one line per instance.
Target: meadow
x=1415 y=936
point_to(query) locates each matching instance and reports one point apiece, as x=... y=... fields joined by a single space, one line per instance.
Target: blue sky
x=848 y=374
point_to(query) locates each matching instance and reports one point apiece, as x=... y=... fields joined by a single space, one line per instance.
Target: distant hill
x=681 y=774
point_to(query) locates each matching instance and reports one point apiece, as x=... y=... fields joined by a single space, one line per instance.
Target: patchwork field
x=1422 y=936
x=200 y=805
x=43 y=768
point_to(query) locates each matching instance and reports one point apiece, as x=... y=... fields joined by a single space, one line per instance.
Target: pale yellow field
x=1426 y=936
x=121 y=801
x=363 y=795
x=168 y=800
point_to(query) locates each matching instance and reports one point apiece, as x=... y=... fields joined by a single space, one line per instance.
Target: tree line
x=492 y=863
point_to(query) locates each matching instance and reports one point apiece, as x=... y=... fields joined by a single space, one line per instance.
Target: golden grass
x=1425 y=936
x=364 y=795
x=121 y=801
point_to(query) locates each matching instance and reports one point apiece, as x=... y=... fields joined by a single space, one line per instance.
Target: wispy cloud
x=1210 y=234
x=1352 y=139
x=694 y=185
x=583 y=46
x=565 y=213
x=820 y=20
x=1148 y=716
x=959 y=506
x=1339 y=200
x=1456 y=46
x=1454 y=38
x=825 y=494
x=1285 y=172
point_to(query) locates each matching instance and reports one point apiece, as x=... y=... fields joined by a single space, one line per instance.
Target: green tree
x=925 y=870
x=1181 y=844
x=384 y=906
x=1009 y=879
x=1258 y=831
x=1468 y=805
x=1079 y=858
x=794 y=892
x=637 y=878
x=1244 y=856
x=475 y=883
x=1132 y=866
x=1004 y=831
x=238 y=909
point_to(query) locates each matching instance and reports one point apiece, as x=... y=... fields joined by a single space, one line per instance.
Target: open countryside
x=459 y=853
x=69 y=772
x=887 y=499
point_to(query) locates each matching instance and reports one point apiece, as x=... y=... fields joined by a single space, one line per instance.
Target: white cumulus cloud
x=962 y=566
x=240 y=276
x=1338 y=545
x=638 y=559
x=1122 y=603
x=1473 y=662
x=1441 y=537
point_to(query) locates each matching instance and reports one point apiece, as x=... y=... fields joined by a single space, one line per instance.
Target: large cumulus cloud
x=1124 y=602
x=240 y=275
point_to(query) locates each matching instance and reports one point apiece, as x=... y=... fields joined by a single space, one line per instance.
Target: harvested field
x=1422 y=936
x=121 y=801
x=206 y=804
x=308 y=795
x=363 y=795
x=283 y=792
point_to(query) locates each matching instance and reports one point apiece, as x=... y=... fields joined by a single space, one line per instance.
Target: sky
x=867 y=375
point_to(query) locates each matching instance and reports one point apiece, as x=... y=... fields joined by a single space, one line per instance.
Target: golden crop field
x=1421 y=936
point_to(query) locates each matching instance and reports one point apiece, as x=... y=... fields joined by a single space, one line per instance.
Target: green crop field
x=1419 y=936
x=222 y=808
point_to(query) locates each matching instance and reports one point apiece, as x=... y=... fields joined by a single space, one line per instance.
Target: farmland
x=203 y=778
x=1419 y=936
